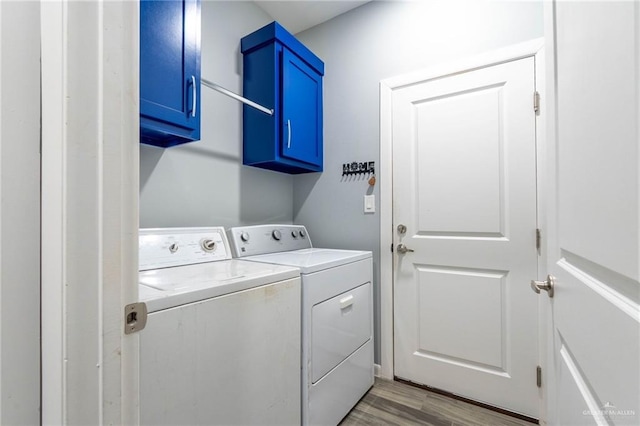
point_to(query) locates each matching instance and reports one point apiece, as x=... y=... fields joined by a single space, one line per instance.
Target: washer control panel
x=167 y=247
x=263 y=239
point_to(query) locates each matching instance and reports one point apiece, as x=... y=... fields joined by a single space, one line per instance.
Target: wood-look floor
x=395 y=403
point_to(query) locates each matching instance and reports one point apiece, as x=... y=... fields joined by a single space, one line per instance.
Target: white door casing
x=90 y=189
x=592 y=178
x=464 y=179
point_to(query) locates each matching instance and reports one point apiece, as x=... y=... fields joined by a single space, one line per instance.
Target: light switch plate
x=370 y=203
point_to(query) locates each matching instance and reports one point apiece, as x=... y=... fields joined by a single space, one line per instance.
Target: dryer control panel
x=167 y=247
x=264 y=239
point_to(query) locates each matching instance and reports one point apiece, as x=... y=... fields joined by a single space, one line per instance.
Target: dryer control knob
x=208 y=245
x=276 y=235
x=244 y=236
x=302 y=235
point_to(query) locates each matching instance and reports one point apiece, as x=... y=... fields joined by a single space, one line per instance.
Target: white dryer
x=337 y=315
x=222 y=338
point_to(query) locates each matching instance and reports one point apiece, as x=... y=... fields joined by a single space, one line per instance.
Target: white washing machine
x=337 y=315
x=222 y=340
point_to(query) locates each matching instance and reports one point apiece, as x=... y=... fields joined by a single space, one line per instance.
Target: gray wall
x=373 y=42
x=19 y=213
x=204 y=183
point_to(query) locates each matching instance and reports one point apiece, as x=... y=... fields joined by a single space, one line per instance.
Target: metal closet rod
x=235 y=96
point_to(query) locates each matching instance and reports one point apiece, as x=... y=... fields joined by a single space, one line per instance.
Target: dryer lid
x=313 y=259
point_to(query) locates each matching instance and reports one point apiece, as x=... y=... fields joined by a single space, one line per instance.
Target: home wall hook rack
x=366 y=167
x=229 y=93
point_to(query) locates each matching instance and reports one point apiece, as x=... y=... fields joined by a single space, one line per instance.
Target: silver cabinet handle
x=547 y=285
x=193 y=93
x=402 y=249
x=288 y=134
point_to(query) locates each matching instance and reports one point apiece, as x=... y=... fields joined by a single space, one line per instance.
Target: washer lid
x=169 y=287
x=312 y=259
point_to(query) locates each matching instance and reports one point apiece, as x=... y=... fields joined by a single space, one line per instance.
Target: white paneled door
x=594 y=213
x=464 y=186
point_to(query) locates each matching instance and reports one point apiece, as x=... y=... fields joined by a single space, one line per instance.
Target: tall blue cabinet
x=282 y=74
x=169 y=72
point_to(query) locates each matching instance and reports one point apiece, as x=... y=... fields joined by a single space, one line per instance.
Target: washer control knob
x=244 y=236
x=302 y=234
x=276 y=235
x=208 y=245
x=173 y=247
x=294 y=234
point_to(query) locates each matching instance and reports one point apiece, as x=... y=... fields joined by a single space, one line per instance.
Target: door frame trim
x=89 y=207
x=531 y=48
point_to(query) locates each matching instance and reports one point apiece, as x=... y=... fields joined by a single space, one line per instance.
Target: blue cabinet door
x=169 y=71
x=301 y=117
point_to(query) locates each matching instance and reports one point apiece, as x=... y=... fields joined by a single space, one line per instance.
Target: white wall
x=204 y=183
x=19 y=213
x=373 y=42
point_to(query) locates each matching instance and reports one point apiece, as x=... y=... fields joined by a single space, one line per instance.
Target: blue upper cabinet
x=282 y=74
x=169 y=72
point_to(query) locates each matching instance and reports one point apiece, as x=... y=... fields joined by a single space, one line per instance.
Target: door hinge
x=391 y=247
x=538 y=239
x=539 y=376
x=536 y=102
x=135 y=317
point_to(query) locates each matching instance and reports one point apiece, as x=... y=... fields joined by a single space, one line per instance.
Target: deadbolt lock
x=402 y=229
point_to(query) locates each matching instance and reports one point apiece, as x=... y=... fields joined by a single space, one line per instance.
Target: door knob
x=403 y=249
x=547 y=285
